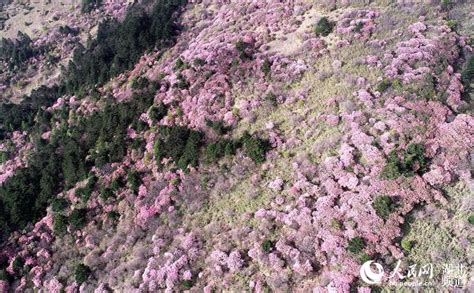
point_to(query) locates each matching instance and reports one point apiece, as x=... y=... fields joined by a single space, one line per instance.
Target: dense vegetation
x=21 y=116
x=324 y=27
x=383 y=206
x=16 y=52
x=119 y=45
x=467 y=74
x=267 y=245
x=81 y=273
x=317 y=199
x=253 y=147
x=117 y=48
x=63 y=161
x=179 y=143
x=407 y=163
x=356 y=245
x=88 y=5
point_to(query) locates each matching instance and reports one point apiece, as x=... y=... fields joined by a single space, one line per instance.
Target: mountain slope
x=244 y=146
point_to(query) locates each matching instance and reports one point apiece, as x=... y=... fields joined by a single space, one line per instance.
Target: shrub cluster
x=356 y=245
x=254 y=147
x=82 y=273
x=16 y=52
x=383 y=206
x=133 y=180
x=60 y=224
x=88 y=5
x=217 y=126
x=410 y=162
x=267 y=245
x=78 y=218
x=180 y=144
x=58 y=205
x=467 y=74
x=157 y=113
x=85 y=192
x=119 y=45
x=324 y=27
x=216 y=150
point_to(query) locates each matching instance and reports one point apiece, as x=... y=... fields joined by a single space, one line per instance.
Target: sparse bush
x=106 y=193
x=266 y=67
x=158 y=113
x=467 y=74
x=406 y=244
x=412 y=162
x=113 y=215
x=59 y=204
x=470 y=219
x=60 y=225
x=267 y=245
x=383 y=206
x=82 y=273
x=225 y=147
x=383 y=85
x=77 y=218
x=187 y=284
x=243 y=47
x=217 y=126
x=324 y=27
x=356 y=245
x=255 y=148
x=133 y=180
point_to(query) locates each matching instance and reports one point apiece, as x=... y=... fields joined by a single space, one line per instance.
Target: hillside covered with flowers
x=236 y=146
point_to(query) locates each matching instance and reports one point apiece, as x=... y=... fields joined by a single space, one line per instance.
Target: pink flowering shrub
x=289 y=224
x=18 y=147
x=166 y=269
x=357 y=24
